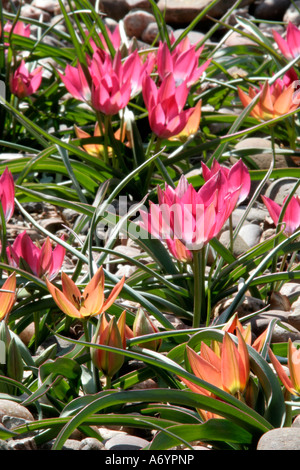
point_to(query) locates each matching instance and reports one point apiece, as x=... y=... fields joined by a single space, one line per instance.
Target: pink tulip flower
x=182 y=62
x=7 y=194
x=290 y=47
x=114 y=82
x=193 y=217
x=41 y=262
x=291 y=217
x=165 y=105
x=19 y=28
x=24 y=83
x=76 y=82
x=114 y=36
x=238 y=177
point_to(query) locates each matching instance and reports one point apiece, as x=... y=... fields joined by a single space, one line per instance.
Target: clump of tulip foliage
x=89 y=119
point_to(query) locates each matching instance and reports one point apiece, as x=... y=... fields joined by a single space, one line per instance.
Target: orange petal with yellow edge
x=70 y=290
x=114 y=294
x=284 y=102
x=7 y=299
x=294 y=365
x=260 y=341
x=244 y=361
x=62 y=301
x=97 y=282
x=246 y=333
x=204 y=369
x=92 y=303
x=266 y=102
x=122 y=327
x=210 y=356
x=281 y=372
x=110 y=362
x=234 y=364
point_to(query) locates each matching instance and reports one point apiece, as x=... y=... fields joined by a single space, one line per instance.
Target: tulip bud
x=15 y=366
x=108 y=334
x=11 y=363
x=142 y=325
x=5 y=335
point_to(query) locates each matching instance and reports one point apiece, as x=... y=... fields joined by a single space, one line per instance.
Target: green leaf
x=15 y=366
x=211 y=431
x=60 y=366
x=112 y=398
x=6 y=433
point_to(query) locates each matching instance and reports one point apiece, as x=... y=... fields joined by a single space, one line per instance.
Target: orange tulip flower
x=234 y=324
x=228 y=371
x=91 y=302
x=98 y=150
x=292 y=383
x=277 y=99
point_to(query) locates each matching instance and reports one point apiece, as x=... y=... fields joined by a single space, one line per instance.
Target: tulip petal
x=7 y=299
x=204 y=369
x=282 y=44
x=281 y=372
x=62 y=301
x=294 y=365
x=110 y=362
x=7 y=194
x=58 y=256
x=70 y=290
x=113 y=294
x=293 y=39
x=45 y=258
x=233 y=371
x=291 y=216
x=273 y=208
x=284 y=103
x=97 y=281
x=122 y=328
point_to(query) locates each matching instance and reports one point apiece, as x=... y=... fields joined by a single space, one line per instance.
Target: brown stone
x=27 y=333
x=29 y=11
x=185 y=11
x=263 y=157
x=280 y=439
x=237 y=39
x=116 y=9
x=136 y=22
x=11 y=408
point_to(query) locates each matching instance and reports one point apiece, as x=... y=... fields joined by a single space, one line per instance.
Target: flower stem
x=289 y=413
x=108 y=382
x=87 y=338
x=103 y=133
x=231 y=233
x=199 y=288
